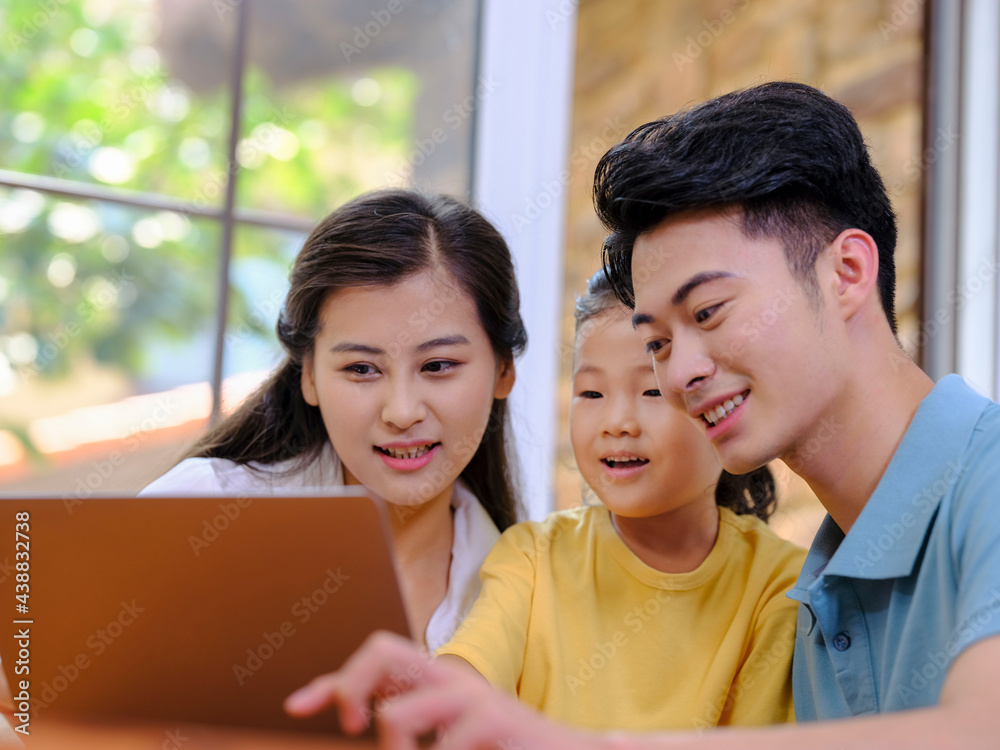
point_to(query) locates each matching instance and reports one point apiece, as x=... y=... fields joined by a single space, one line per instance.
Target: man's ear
x=308 y=382
x=853 y=258
x=505 y=379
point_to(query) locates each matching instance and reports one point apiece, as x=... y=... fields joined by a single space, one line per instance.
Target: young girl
x=663 y=608
x=401 y=326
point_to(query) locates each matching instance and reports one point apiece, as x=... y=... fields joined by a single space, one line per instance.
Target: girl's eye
x=590 y=394
x=654 y=392
x=702 y=315
x=360 y=368
x=439 y=365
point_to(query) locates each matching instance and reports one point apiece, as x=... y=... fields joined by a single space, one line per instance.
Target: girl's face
x=404 y=377
x=641 y=456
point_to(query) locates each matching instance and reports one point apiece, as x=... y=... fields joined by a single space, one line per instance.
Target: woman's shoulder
x=206 y=475
x=222 y=475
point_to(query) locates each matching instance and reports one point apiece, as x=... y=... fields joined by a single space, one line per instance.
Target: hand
x=411 y=695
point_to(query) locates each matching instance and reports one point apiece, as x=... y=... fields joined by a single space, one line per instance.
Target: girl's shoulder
x=759 y=541
x=562 y=526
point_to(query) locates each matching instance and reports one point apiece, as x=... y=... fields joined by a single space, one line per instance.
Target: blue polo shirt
x=886 y=609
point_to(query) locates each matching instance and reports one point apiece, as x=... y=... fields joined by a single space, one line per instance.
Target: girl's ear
x=309 y=382
x=505 y=379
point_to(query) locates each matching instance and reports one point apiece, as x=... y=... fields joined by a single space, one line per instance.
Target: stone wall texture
x=637 y=60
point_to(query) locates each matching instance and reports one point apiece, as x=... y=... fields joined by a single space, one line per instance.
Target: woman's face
x=404 y=377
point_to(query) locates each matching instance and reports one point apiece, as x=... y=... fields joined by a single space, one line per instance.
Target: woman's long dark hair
x=379 y=239
x=752 y=493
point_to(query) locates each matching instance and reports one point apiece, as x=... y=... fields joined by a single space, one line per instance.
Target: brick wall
x=637 y=60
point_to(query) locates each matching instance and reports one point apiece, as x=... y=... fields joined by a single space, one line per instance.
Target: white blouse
x=474 y=530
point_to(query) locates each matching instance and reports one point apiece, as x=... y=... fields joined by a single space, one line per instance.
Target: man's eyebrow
x=695 y=281
x=640 y=319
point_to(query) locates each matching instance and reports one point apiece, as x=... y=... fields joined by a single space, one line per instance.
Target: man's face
x=736 y=341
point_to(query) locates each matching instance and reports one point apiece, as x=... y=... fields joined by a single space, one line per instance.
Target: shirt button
x=842 y=641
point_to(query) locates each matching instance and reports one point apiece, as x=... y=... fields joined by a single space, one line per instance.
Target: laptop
x=203 y=610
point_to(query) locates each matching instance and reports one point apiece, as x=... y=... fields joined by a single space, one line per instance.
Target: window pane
x=258 y=277
x=343 y=96
x=104 y=312
x=93 y=91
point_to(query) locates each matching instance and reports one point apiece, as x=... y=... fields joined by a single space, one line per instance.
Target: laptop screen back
x=190 y=609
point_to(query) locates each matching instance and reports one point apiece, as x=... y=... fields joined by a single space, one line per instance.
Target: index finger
x=385 y=663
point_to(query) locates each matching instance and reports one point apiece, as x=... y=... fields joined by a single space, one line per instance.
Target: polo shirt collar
x=890 y=531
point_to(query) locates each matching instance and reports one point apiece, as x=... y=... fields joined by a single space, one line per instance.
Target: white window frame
x=960 y=331
x=520 y=178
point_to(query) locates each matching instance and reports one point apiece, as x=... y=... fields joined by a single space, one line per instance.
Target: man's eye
x=654 y=392
x=702 y=315
x=656 y=347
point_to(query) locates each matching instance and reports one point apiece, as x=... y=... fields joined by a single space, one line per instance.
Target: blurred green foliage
x=84 y=96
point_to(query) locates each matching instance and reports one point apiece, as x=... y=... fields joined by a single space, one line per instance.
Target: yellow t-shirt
x=572 y=622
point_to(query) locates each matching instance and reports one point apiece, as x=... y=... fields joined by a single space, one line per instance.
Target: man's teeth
x=723 y=410
x=407 y=452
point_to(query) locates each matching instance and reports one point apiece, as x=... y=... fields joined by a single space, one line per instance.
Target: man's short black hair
x=792 y=159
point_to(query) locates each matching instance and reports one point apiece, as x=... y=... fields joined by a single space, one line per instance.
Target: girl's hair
x=744 y=494
x=380 y=239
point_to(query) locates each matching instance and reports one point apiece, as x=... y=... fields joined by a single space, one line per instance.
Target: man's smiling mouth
x=723 y=410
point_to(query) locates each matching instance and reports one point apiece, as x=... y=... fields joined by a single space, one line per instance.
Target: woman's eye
x=360 y=369
x=654 y=392
x=439 y=365
x=590 y=394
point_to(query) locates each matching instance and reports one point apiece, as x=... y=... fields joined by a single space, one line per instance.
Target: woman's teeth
x=723 y=410
x=415 y=452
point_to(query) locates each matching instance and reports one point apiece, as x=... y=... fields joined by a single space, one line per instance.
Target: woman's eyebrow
x=455 y=340
x=349 y=346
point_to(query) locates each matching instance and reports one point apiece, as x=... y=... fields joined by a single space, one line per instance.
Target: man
x=755 y=241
